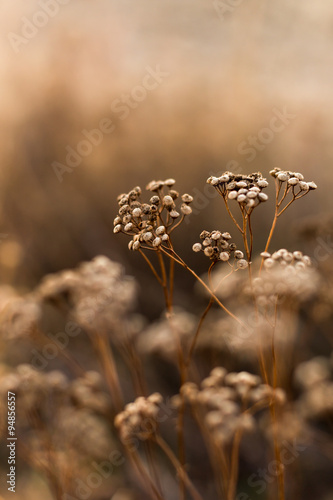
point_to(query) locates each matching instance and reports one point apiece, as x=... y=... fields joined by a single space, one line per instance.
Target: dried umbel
x=71 y=409
x=150 y=224
x=140 y=418
x=33 y=389
x=87 y=392
x=311 y=373
x=294 y=181
x=247 y=190
x=283 y=258
x=96 y=293
x=20 y=316
x=315 y=377
x=217 y=246
x=286 y=274
x=226 y=400
x=158 y=339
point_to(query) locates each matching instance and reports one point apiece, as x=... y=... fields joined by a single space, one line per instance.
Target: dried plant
x=246 y=339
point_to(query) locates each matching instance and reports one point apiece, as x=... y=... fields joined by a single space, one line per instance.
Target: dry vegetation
x=189 y=355
x=227 y=404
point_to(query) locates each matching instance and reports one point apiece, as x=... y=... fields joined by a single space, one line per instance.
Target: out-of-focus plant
x=73 y=415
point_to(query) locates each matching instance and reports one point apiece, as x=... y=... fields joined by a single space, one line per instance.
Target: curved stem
x=231 y=216
x=180 y=261
x=287 y=188
x=285 y=208
x=195 y=338
x=151 y=266
x=179 y=468
x=204 y=314
x=178 y=224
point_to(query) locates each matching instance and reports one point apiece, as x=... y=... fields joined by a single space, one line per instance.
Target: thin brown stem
x=152 y=464
x=251 y=237
x=164 y=281
x=171 y=273
x=151 y=266
x=179 y=468
x=180 y=261
x=231 y=215
x=246 y=245
x=216 y=454
x=234 y=465
x=204 y=314
x=274 y=363
x=286 y=191
x=182 y=369
x=104 y=351
x=277 y=451
x=178 y=224
x=195 y=338
x=285 y=208
x=270 y=236
x=277 y=205
x=135 y=366
x=143 y=476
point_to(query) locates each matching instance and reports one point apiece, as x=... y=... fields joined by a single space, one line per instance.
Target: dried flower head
x=287 y=275
x=315 y=378
x=293 y=179
x=97 y=292
x=150 y=224
x=139 y=419
x=158 y=338
x=217 y=247
x=290 y=183
x=222 y=397
x=245 y=189
x=20 y=316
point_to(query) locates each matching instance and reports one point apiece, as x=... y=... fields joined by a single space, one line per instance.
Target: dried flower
x=222 y=397
x=245 y=189
x=217 y=247
x=293 y=180
x=150 y=224
x=139 y=419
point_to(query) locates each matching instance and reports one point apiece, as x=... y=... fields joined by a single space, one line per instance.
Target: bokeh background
x=228 y=71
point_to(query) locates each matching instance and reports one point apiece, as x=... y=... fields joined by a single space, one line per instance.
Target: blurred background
x=98 y=97
x=226 y=71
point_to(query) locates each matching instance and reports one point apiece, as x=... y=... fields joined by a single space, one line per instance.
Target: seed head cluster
x=283 y=258
x=217 y=247
x=149 y=224
x=293 y=180
x=97 y=293
x=247 y=190
x=315 y=378
x=139 y=419
x=72 y=408
x=288 y=275
x=222 y=397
